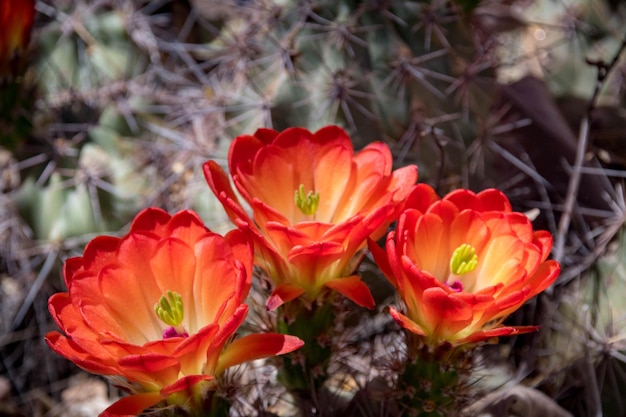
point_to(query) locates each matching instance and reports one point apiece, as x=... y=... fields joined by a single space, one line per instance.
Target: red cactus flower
x=16 y=21
x=314 y=203
x=463 y=263
x=159 y=307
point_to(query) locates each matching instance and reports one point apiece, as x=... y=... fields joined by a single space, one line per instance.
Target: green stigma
x=170 y=309
x=464 y=260
x=307 y=203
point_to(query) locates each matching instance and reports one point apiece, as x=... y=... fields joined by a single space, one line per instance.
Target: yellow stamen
x=170 y=309
x=307 y=203
x=464 y=260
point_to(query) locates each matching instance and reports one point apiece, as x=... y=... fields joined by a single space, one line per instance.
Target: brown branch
x=604 y=70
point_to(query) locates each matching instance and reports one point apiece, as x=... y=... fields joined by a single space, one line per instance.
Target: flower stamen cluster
x=307 y=203
x=464 y=260
x=170 y=311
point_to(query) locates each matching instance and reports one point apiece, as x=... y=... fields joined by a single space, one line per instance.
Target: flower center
x=463 y=261
x=169 y=309
x=456 y=286
x=307 y=203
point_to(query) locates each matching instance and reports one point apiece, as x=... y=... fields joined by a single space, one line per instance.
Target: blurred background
x=110 y=106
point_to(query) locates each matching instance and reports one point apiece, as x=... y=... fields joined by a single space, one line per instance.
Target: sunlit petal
x=282 y=294
x=353 y=289
x=132 y=405
x=256 y=346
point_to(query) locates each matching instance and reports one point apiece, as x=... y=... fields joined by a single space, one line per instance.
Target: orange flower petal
x=185 y=226
x=282 y=294
x=494 y=200
x=171 y=273
x=380 y=257
x=271 y=186
x=373 y=225
x=266 y=135
x=416 y=280
x=545 y=275
x=333 y=173
x=403 y=182
x=394 y=256
x=66 y=317
x=212 y=252
x=468 y=227
x=243 y=150
x=500 y=331
x=353 y=289
x=105 y=309
x=256 y=346
x=161 y=369
x=444 y=313
x=242 y=249
x=132 y=405
x=85 y=343
x=371 y=165
x=315 y=257
x=187 y=384
x=152 y=219
x=464 y=199
x=283 y=237
x=543 y=240
x=422 y=197
x=200 y=352
x=222 y=337
x=220 y=185
x=100 y=252
x=406 y=322
x=445 y=210
x=191 y=350
x=428 y=246
x=82 y=357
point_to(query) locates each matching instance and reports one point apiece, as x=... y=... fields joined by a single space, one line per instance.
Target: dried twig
x=583 y=137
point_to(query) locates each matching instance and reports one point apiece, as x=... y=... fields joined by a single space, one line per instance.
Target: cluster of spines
x=131 y=99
